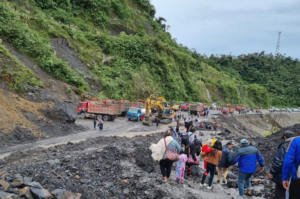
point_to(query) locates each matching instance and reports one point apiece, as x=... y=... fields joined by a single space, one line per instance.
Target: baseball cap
x=244 y=141
x=288 y=134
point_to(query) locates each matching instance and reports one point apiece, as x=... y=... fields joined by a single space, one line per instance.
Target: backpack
x=185 y=139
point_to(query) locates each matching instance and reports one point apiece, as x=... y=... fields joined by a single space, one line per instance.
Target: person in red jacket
x=207 y=148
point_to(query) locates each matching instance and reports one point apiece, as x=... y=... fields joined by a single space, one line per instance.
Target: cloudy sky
x=236 y=26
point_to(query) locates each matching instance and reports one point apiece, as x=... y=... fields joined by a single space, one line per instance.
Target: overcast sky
x=236 y=26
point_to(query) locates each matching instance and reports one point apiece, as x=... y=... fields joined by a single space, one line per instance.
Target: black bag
x=195 y=171
x=185 y=139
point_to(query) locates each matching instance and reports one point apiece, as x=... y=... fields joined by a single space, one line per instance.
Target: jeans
x=165 y=168
x=241 y=180
x=225 y=170
x=211 y=170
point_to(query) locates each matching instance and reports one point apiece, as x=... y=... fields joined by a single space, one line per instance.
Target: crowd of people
x=184 y=148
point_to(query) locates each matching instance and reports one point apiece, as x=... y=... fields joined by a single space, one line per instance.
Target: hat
x=288 y=134
x=229 y=143
x=244 y=141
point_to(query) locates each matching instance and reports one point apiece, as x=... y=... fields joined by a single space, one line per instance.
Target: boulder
x=64 y=112
x=64 y=194
x=4 y=195
x=232 y=184
x=18 y=181
x=25 y=193
x=38 y=191
x=4 y=184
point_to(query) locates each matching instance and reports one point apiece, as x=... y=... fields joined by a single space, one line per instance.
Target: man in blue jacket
x=290 y=168
x=246 y=156
x=277 y=164
x=224 y=163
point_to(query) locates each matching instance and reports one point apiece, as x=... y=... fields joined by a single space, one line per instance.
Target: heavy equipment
x=85 y=96
x=164 y=113
x=174 y=106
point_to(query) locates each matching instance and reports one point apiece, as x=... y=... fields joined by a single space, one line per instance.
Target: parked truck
x=184 y=106
x=136 y=114
x=195 y=108
x=227 y=109
x=106 y=112
x=239 y=108
x=124 y=106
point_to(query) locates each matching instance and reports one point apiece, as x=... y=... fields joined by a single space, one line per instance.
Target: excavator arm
x=165 y=114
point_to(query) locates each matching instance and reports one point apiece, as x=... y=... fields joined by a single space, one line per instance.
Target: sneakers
x=224 y=181
x=203 y=185
x=209 y=187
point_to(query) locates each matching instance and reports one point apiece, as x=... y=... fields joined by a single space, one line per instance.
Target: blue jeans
x=241 y=180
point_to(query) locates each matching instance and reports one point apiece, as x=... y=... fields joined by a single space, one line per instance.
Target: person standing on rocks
x=224 y=163
x=212 y=158
x=158 y=153
x=246 y=156
x=194 y=150
x=291 y=168
x=276 y=169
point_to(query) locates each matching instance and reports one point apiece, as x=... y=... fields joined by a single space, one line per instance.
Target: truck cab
x=184 y=106
x=135 y=113
x=82 y=108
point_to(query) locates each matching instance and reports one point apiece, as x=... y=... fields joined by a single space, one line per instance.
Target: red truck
x=106 y=112
x=239 y=108
x=195 y=108
x=184 y=106
x=227 y=109
x=124 y=106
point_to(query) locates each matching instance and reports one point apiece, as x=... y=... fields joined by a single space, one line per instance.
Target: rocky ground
x=111 y=167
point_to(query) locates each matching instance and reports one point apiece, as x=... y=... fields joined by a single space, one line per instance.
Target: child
x=207 y=148
x=180 y=169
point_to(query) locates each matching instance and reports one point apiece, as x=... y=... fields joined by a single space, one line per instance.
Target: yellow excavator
x=164 y=113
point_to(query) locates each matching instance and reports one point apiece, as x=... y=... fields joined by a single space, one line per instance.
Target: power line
x=278 y=44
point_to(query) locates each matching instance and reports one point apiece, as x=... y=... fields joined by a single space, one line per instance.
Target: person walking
x=180 y=169
x=158 y=153
x=207 y=113
x=277 y=164
x=95 y=122
x=157 y=121
x=291 y=168
x=246 y=156
x=100 y=124
x=212 y=158
x=193 y=150
x=224 y=163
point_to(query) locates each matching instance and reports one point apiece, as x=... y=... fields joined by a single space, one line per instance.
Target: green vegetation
x=143 y=57
x=280 y=76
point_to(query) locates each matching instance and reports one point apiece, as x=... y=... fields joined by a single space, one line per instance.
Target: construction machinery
x=85 y=96
x=174 y=106
x=185 y=106
x=164 y=113
x=196 y=108
x=228 y=109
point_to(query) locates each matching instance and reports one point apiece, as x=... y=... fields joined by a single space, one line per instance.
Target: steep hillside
x=115 y=49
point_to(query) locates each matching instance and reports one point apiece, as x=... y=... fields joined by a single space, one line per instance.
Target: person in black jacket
x=194 y=149
x=276 y=169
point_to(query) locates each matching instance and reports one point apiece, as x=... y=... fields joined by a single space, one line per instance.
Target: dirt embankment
x=257 y=125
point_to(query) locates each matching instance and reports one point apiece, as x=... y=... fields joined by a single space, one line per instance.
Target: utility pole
x=278 y=44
